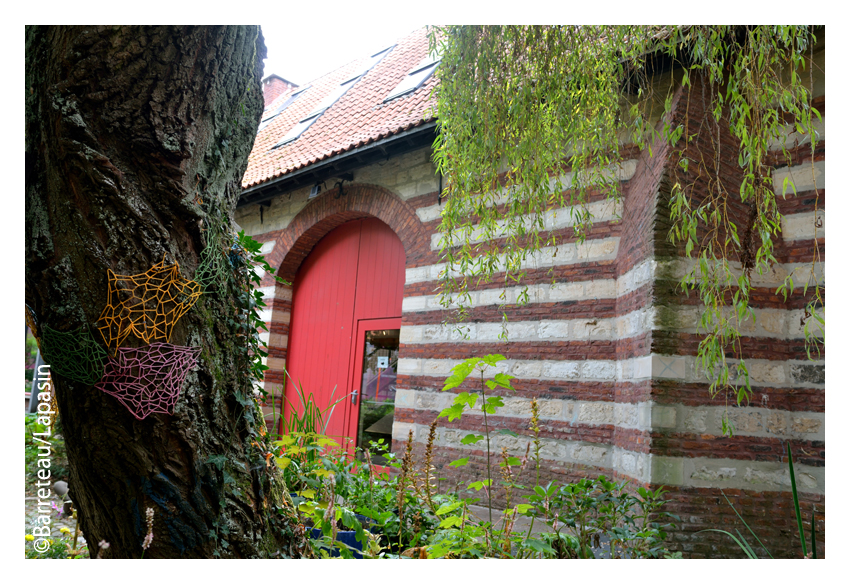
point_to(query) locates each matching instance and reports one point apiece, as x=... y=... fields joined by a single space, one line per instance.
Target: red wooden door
x=356 y=272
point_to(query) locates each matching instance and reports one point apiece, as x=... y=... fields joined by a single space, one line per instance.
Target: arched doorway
x=346 y=314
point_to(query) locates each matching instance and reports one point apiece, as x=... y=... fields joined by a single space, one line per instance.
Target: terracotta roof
x=357 y=118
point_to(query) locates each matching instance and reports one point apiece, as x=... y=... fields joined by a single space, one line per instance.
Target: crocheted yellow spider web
x=148 y=379
x=74 y=354
x=147 y=305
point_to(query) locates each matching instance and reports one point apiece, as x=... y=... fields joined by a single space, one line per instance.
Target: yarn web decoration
x=214 y=266
x=147 y=380
x=74 y=354
x=147 y=305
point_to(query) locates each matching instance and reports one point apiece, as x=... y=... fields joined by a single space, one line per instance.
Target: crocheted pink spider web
x=148 y=379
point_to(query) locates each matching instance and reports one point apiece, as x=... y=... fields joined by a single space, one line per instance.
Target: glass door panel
x=377 y=389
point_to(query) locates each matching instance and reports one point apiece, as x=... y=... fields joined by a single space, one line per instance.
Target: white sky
x=300 y=50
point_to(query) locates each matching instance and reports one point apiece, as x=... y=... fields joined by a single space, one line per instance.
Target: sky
x=303 y=50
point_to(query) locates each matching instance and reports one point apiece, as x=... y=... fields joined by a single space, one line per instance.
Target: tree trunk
x=136 y=142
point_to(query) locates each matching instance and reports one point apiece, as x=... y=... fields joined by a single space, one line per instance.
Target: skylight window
x=268 y=118
x=415 y=78
x=332 y=97
x=367 y=66
x=295 y=132
x=327 y=102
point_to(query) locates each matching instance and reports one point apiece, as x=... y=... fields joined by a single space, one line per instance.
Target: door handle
x=354 y=396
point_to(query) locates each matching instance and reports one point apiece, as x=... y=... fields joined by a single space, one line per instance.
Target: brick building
x=341 y=189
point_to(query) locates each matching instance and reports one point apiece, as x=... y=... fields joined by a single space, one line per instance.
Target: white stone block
x=703 y=473
x=275 y=363
x=554 y=329
x=695 y=420
x=414 y=275
x=527 y=369
x=405 y=398
x=494 y=296
x=409 y=366
x=401 y=431
x=667 y=470
x=566 y=291
x=804 y=177
x=589 y=454
x=550 y=408
x=803 y=226
x=766 y=372
x=596 y=413
x=561 y=370
x=600 y=289
x=663 y=417
x=642 y=367
x=431 y=213
x=598 y=370
x=668 y=367
x=434 y=333
x=410 y=334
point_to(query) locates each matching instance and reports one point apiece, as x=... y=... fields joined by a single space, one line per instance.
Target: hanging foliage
x=534 y=121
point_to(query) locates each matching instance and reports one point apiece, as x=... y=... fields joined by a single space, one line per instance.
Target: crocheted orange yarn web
x=147 y=305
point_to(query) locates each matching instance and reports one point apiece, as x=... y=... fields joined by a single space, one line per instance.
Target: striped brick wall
x=606 y=343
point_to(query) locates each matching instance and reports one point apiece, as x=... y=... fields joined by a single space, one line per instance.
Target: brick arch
x=327 y=212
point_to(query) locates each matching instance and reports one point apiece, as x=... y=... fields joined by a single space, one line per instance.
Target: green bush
x=406 y=515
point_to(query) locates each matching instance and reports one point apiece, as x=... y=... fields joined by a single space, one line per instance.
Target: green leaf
x=448 y=507
x=471 y=438
x=796 y=500
x=218 y=460
x=459 y=373
x=466 y=399
x=495 y=401
x=460 y=462
x=492 y=359
x=503 y=380
x=453 y=413
x=538 y=546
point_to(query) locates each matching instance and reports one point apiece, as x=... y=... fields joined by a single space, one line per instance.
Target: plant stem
x=489 y=482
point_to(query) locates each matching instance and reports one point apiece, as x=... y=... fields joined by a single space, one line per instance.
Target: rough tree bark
x=136 y=138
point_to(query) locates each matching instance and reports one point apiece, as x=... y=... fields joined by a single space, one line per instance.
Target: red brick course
x=770 y=514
